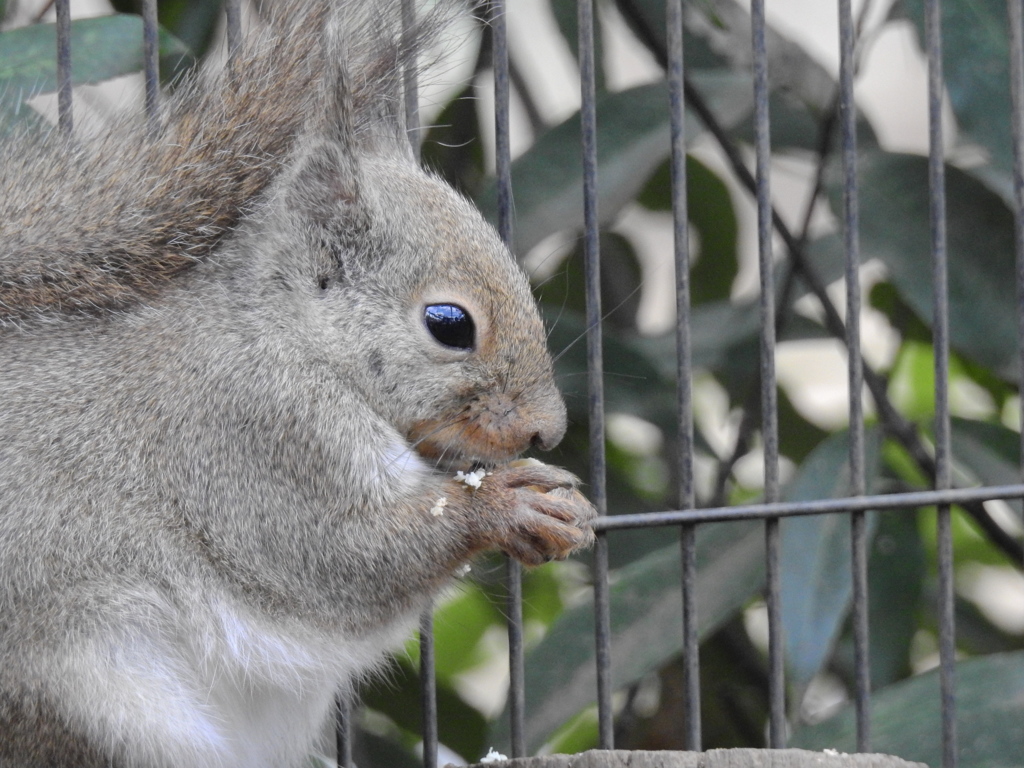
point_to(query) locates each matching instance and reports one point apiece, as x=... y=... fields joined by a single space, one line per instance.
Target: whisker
x=604 y=317
x=463 y=417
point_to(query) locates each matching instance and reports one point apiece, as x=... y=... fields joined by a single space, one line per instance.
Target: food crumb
x=492 y=756
x=472 y=479
x=831 y=752
x=462 y=570
x=438 y=509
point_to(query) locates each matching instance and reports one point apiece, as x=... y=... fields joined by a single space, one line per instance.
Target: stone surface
x=715 y=758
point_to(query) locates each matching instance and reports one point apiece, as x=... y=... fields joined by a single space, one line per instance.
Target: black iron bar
x=595 y=363
x=894 y=422
x=428 y=688
x=233 y=24
x=769 y=406
x=410 y=86
x=502 y=146
x=940 y=344
x=858 y=484
x=503 y=169
x=603 y=644
x=151 y=55
x=906 y=500
x=343 y=730
x=1015 y=13
x=896 y=425
x=516 y=661
x=428 y=676
x=684 y=374
x=65 y=120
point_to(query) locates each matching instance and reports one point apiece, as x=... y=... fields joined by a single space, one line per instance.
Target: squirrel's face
x=435 y=321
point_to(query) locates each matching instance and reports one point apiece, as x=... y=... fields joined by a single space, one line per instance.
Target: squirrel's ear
x=325 y=188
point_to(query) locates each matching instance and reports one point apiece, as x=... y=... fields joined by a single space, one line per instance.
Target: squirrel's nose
x=548 y=420
x=549 y=435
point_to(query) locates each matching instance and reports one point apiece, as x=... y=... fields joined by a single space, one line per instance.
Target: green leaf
x=396 y=693
x=621 y=282
x=726 y=27
x=713 y=218
x=912 y=383
x=895 y=228
x=797 y=436
x=629 y=371
x=991 y=452
x=374 y=751
x=816 y=580
x=723 y=338
x=975 y=51
x=452 y=148
x=192 y=21
x=102 y=48
x=459 y=624
x=632 y=141
x=646 y=18
x=566 y=15
x=718 y=35
x=646 y=611
x=905 y=718
x=895 y=574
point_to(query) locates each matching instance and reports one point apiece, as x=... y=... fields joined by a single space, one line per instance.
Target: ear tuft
x=325 y=186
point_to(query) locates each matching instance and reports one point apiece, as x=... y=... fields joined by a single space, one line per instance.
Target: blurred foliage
x=643 y=448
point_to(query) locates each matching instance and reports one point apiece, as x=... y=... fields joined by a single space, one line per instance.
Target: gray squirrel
x=242 y=359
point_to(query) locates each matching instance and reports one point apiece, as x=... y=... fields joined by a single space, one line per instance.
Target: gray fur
x=224 y=424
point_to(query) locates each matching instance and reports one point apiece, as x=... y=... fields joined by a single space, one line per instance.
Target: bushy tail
x=102 y=225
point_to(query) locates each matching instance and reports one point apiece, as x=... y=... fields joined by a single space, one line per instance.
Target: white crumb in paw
x=492 y=756
x=462 y=570
x=438 y=509
x=471 y=479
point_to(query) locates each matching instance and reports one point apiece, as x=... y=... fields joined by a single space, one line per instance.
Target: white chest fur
x=242 y=693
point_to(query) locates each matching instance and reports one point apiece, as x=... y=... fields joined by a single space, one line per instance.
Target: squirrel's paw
x=537 y=513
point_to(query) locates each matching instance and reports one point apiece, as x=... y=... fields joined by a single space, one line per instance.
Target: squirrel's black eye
x=451 y=325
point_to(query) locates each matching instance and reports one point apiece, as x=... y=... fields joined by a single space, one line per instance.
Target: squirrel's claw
x=534 y=513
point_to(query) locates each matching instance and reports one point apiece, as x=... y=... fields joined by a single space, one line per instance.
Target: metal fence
x=845 y=327
x=684 y=96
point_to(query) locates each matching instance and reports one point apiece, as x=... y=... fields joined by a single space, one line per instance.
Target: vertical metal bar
x=940 y=340
x=684 y=377
x=428 y=676
x=410 y=87
x=503 y=167
x=151 y=46
x=64 y=112
x=595 y=363
x=233 y=22
x=516 y=665
x=769 y=429
x=502 y=145
x=343 y=730
x=851 y=242
x=603 y=644
x=428 y=688
x=1015 y=12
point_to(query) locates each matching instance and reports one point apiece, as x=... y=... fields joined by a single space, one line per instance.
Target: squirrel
x=244 y=355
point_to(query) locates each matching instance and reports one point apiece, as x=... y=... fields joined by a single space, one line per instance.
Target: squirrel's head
x=420 y=305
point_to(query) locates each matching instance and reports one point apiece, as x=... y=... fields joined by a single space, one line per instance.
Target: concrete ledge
x=715 y=758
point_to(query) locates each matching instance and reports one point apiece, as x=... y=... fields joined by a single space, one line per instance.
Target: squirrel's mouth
x=468 y=442
x=451 y=450
x=449 y=460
